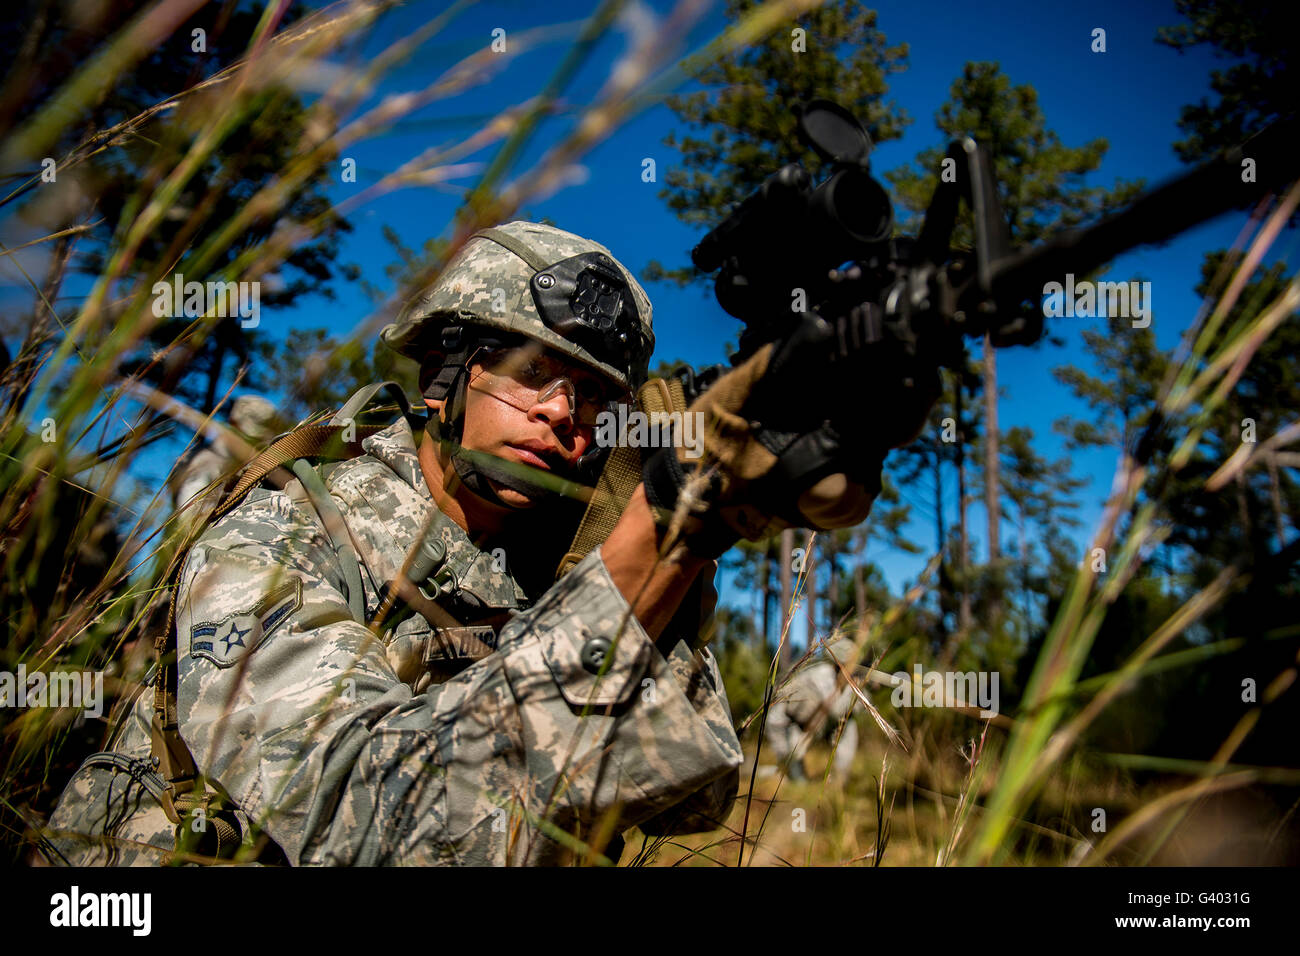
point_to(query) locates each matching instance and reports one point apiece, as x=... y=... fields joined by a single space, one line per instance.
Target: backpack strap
x=337 y=530
x=340 y=440
x=620 y=476
x=363 y=396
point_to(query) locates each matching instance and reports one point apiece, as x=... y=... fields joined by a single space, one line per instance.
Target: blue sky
x=1130 y=95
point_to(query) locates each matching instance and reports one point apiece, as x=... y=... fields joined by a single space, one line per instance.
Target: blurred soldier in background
x=257 y=422
x=816 y=700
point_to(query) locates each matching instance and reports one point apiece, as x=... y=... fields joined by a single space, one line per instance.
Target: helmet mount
x=585 y=299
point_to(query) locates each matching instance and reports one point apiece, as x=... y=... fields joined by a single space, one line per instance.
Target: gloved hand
x=785 y=442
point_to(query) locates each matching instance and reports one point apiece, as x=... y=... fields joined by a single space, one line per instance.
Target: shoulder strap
x=339 y=440
x=521 y=249
x=620 y=476
x=363 y=396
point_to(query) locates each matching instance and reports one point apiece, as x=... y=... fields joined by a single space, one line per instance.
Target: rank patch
x=228 y=640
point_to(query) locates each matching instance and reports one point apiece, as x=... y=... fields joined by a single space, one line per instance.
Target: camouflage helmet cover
x=487 y=284
x=255 y=417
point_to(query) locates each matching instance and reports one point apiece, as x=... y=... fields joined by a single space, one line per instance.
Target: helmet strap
x=474 y=472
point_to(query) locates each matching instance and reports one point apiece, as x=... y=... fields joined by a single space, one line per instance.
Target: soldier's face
x=511 y=413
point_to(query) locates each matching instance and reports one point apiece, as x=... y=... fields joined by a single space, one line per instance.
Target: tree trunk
x=963 y=539
x=833 y=578
x=765 y=585
x=1243 y=511
x=1275 y=491
x=1024 y=574
x=214 y=377
x=810 y=585
x=787 y=590
x=992 y=491
x=860 y=601
x=941 y=538
x=941 y=533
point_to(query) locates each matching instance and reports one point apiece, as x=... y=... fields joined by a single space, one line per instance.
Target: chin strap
x=451 y=385
x=476 y=471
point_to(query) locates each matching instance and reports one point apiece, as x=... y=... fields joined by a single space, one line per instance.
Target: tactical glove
x=789 y=440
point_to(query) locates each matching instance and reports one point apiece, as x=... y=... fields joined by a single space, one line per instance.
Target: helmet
x=845 y=651
x=568 y=293
x=528 y=280
x=254 y=416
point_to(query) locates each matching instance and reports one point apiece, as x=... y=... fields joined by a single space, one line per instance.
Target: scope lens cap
x=834 y=133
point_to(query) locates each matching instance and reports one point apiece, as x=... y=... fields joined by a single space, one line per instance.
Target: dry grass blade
x=894 y=737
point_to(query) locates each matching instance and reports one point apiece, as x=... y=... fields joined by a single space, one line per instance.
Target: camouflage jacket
x=345 y=749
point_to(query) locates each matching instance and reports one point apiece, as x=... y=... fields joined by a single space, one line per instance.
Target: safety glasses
x=525 y=377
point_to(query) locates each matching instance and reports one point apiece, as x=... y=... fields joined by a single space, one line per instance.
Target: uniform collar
x=480 y=575
x=395 y=447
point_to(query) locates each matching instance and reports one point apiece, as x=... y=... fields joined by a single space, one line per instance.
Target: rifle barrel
x=1196 y=196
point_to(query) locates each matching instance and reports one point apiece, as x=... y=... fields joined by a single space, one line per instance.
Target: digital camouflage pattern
x=350 y=749
x=814 y=703
x=253 y=417
x=487 y=284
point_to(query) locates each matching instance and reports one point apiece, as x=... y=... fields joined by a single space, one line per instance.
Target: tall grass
x=1024 y=787
x=85 y=543
x=60 y=495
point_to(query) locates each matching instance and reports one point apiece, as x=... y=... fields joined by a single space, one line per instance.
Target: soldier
x=529 y=712
x=816 y=699
x=256 y=420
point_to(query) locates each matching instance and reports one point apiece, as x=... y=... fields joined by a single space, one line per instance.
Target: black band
x=664 y=478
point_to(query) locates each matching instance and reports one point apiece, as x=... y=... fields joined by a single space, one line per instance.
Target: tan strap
x=620 y=476
x=172 y=758
x=228 y=838
x=310 y=441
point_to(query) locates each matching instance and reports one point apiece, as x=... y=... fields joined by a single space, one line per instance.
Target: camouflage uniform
x=815 y=702
x=345 y=748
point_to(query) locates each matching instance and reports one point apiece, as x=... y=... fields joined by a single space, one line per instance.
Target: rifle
x=903 y=305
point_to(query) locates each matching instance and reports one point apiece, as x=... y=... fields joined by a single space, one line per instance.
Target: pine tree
x=754 y=564
x=1041 y=496
x=1130 y=368
x=1255 y=90
x=1039 y=185
x=746 y=112
x=40 y=49
x=955 y=422
x=1255 y=516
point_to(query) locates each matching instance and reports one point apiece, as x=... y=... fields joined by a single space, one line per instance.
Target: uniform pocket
x=111 y=814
